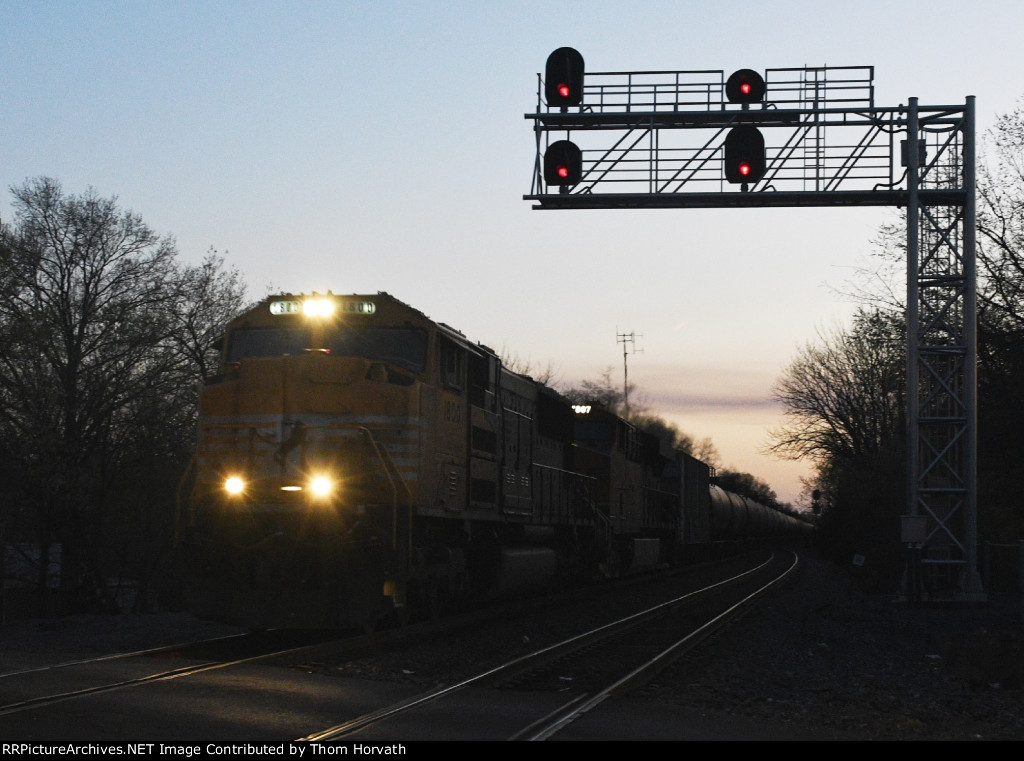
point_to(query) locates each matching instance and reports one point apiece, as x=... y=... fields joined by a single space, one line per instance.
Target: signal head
x=745 y=86
x=745 y=160
x=563 y=163
x=563 y=78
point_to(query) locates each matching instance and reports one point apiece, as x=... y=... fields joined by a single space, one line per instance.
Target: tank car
x=357 y=460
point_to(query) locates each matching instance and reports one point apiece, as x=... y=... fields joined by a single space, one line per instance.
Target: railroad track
x=263 y=688
x=582 y=671
x=37 y=687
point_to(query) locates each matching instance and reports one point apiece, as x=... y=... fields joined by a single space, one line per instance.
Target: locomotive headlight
x=321 y=486
x=318 y=307
x=234 y=485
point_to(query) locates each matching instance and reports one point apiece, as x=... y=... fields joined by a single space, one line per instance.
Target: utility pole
x=628 y=340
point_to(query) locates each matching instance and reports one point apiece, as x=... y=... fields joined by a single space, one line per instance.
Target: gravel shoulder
x=822 y=653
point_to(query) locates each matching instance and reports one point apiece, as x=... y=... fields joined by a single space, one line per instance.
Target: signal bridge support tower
x=809 y=136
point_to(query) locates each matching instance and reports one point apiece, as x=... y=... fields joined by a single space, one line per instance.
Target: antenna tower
x=628 y=341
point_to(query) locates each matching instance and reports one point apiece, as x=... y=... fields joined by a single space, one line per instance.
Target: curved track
x=580 y=672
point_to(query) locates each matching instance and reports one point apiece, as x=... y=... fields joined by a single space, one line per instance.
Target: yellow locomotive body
x=357 y=460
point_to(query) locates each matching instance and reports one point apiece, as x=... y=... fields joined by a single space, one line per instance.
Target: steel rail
x=536 y=659
x=571 y=711
x=46 y=700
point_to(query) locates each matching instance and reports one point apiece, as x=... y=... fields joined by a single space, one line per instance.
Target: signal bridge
x=810 y=136
x=810 y=132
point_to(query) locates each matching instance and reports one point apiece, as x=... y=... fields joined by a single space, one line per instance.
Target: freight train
x=358 y=461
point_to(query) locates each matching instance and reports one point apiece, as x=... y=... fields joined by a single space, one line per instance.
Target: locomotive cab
x=308 y=461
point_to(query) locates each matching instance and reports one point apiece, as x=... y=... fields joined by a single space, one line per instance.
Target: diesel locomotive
x=358 y=461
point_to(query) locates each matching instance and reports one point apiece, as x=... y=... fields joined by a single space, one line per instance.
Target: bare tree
x=844 y=395
x=1001 y=223
x=844 y=398
x=670 y=436
x=547 y=375
x=210 y=296
x=748 y=486
x=1001 y=328
x=603 y=392
x=706 y=451
x=93 y=359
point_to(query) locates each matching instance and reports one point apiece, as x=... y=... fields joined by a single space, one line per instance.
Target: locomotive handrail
x=394 y=478
x=393 y=474
x=578 y=480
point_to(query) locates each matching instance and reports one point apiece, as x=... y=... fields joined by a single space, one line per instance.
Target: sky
x=368 y=146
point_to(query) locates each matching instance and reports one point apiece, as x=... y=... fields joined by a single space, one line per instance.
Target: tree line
x=105 y=336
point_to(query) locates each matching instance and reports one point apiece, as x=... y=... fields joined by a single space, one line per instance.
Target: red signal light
x=745 y=159
x=745 y=86
x=563 y=164
x=563 y=78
